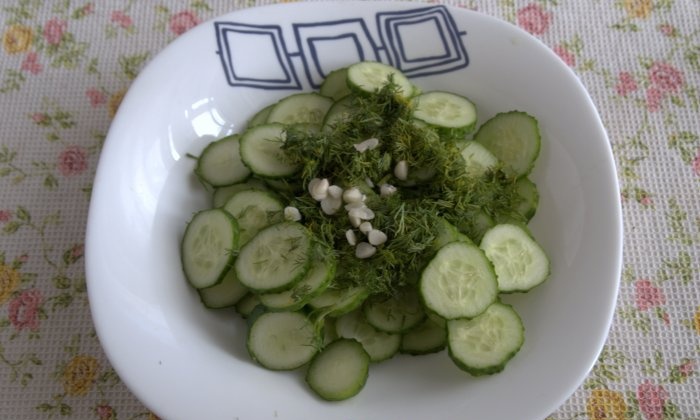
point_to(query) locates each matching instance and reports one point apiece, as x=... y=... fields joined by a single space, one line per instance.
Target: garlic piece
x=365 y=227
x=331 y=205
x=364 y=250
x=368 y=144
x=376 y=237
x=364 y=213
x=354 y=220
x=318 y=188
x=401 y=170
x=352 y=195
x=292 y=214
x=385 y=190
x=335 y=191
x=351 y=237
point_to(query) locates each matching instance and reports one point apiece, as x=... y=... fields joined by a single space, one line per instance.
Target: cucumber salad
x=368 y=219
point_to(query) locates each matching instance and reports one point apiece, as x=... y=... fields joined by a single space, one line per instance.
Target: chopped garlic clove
x=376 y=237
x=368 y=144
x=364 y=250
x=335 y=191
x=365 y=227
x=292 y=214
x=318 y=188
x=385 y=190
x=351 y=237
x=331 y=205
x=401 y=170
x=352 y=195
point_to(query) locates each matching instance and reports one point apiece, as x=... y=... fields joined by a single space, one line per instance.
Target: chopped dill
x=438 y=187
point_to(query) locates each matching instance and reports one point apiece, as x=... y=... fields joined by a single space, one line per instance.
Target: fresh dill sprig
x=438 y=187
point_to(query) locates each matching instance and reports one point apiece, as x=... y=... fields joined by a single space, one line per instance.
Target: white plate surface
x=186 y=362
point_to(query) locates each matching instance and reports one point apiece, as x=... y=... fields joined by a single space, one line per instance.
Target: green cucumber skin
x=489 y=370
x=330 y=275
x=404 y=349
x=291 y=283
x=485 y=139
x=234 y=245
x=257 y=313
x=357 y=386
x=546 y=276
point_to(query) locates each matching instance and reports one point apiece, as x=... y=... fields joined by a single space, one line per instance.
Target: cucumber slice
x=275 y=259
x=368 y=76
x=313 y=284
x=247 y=304
x=520 y=262
x=514 y=138
x=444 y=110
x=475 y=223
x=447 y=233
x=529 y=198
x=207 y=247
x=222 y=194
x=261 y=151
x=427 y=337
x=459 y=282
x=260 y=117
x=340 y=110
x=225 y=294
x=254 y=209
x=220 y=162
x=335 y=85
x=282 y=340
x=339 y=371
x=300 y=108
x=478 y=159
x=395 y=314
x=336 y=302
x=379 y=345
x=483 y=345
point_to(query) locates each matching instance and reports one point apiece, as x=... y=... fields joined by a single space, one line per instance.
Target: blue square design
x=236 y=40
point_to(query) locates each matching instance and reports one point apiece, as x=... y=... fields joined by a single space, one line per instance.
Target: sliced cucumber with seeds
x=275 y=259
x=220 y=162
x=254 y=209
x=261 y=151
x=313 y=284
x=369 y=76
x=225 y=294
x=379 y=345
x=339 y=371
x=444 y=110
x=395 y=314
x=459 y=282
x=484 y=345
x=300 y=108
x=519 y=261
x=427 y=337
x=514 y=138
x=335 y=85
x=282 y=340
x=207 y=247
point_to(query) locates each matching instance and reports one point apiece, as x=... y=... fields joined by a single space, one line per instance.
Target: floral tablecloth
x=65 y=65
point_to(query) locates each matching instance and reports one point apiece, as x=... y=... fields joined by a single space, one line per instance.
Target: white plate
x=186 y=362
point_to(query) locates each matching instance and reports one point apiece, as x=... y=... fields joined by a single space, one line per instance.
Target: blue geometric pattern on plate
x=420 y=42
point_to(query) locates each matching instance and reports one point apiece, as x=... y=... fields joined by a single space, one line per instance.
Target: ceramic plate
x=186 y=362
